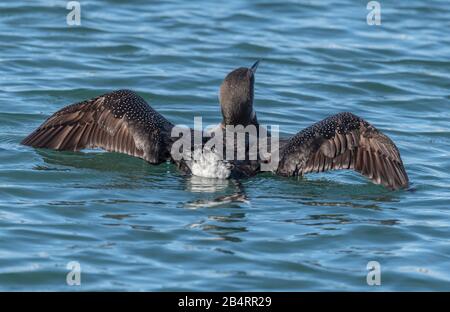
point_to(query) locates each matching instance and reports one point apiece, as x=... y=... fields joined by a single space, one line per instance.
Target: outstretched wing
x=119 y=121
x=344 y=141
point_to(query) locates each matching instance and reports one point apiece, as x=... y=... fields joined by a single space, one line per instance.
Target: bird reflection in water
x=222 y=223
x=207 y=185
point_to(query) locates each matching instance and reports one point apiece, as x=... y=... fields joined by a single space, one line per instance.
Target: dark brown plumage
x=123 y=122
x=119 y=121
x=344 y=141
x=236 y=97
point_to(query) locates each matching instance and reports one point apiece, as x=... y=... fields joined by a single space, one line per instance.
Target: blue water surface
x=133 y=226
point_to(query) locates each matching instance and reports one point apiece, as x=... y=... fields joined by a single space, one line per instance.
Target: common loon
x=121 y=121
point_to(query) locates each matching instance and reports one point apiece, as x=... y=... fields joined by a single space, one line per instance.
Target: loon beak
x=254 y=67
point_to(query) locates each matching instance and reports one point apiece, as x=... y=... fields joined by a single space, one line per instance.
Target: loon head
x=236 y=97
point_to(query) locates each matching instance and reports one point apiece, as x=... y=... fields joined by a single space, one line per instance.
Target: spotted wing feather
x=344 y=141
x=120 y=121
